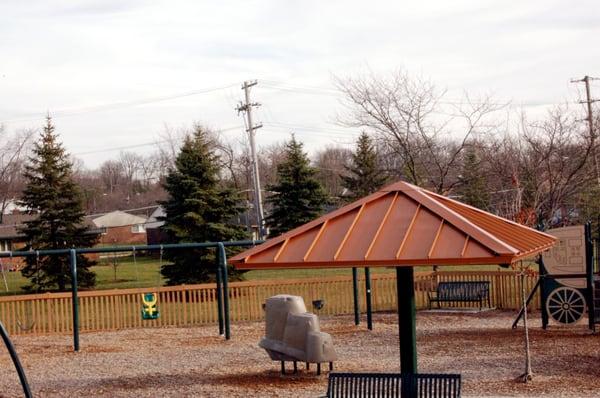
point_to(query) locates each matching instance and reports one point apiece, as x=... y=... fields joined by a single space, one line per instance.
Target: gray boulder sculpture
x=294 y=335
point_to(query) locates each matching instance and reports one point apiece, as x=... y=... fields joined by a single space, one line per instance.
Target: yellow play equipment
x=149 y=307
x=150 y=300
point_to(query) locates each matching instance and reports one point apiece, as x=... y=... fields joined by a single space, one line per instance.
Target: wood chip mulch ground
x=195 y=362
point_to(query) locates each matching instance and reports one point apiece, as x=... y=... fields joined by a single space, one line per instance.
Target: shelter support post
x=220 y=295
x=368 y=297
x=543 y=292
x=74 y=299
x=355 y=295
x=405 y=290
x=589 y=268
x=596 y=267
x=223 y=266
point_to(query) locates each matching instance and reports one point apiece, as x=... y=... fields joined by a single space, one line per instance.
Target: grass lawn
x=145 y=273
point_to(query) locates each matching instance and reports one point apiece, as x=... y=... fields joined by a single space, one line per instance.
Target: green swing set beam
x=222 y=283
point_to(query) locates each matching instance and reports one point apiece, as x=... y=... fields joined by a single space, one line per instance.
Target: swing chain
x=135 y=267
x=3 y=275
x=25 y=327
x=160 y=260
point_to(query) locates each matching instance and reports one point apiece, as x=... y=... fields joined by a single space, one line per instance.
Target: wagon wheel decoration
x=566 y=305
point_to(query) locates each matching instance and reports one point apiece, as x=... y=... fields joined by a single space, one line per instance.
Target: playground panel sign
x=568 y=255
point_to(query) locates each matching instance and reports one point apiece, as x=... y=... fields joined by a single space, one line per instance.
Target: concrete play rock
x=293 y=334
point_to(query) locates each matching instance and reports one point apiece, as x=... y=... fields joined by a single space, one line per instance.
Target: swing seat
x=149 y=307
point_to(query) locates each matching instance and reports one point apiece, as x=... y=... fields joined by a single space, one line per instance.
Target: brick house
x=12 y=239
x=154 y=223
x=120 y=228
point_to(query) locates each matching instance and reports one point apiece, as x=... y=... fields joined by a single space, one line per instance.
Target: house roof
x=153 y=221
x=9 y=227
x=400 y=225
x=117 y=218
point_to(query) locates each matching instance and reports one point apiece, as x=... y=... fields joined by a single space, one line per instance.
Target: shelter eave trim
x=496 y=260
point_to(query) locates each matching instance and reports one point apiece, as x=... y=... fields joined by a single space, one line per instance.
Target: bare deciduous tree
x=111 y=174
x=131 y=164
x=425 y=132
x=330 y=164
x=13 y=150
x=556 y=164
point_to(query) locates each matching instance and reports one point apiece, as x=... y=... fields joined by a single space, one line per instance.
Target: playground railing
x=188 y=305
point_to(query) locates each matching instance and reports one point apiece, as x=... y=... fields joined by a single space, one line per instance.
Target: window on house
x=138 y=229
x=5 y=245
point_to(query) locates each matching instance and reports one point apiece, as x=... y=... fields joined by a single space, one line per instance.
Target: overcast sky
x=100 y=67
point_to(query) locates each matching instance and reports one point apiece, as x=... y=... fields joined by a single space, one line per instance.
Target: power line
x=247 y=107
x=586 y=79
x=149 y=143
x=311 y=128
x=335 y=138
x=115 y=105
x=334 y=92
x=120 y=148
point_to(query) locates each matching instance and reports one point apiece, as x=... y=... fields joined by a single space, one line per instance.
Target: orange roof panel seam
x=281 y=249
x=341 y=246
x=314 y=242
x=437 y=235
x=464 y=249
x=381 y=225
x=407 y=233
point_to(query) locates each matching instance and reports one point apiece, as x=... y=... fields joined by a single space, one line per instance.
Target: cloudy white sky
x=98 y=66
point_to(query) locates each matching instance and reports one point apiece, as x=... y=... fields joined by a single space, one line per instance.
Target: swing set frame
x=221 y=268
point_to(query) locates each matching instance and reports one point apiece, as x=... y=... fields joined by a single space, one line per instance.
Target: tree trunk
x=528 y=375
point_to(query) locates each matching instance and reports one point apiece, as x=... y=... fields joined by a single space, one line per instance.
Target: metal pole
x=247 y=107
x=110 y=249
x=368 y=294
x=15 y=358
x=590 y=118
x=74 y=300
x=543 y=292
x=355 y=295
x=405 y=290
x=223 y=266
x=219 y=297
x=597 y=263
x=589 y=264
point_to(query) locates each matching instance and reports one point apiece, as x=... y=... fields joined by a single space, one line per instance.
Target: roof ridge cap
x=506 y=220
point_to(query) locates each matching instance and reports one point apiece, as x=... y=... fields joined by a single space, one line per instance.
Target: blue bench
x=461 y=292
x=405 y=385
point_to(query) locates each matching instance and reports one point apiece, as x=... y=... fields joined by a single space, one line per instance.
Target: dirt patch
x=194 y=361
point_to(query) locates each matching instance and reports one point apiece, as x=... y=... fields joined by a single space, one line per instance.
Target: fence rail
x=187 y=305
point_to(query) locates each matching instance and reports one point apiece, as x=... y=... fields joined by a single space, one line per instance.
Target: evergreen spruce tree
x=365 y=176
x=299 y=196
x=199 y=209
x=472 y=183
x=55 y=199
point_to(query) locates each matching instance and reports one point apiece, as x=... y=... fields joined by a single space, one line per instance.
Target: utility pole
x=251 y=129
x=586 y=79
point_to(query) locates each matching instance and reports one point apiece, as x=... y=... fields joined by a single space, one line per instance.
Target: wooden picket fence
x=188 y=305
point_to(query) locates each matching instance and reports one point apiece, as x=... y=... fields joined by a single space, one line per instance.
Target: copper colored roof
x=401 y=224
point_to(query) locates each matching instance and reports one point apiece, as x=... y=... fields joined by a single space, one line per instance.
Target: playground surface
x=195 y=362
